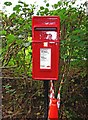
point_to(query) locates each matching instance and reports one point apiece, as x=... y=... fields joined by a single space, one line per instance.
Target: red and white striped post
x=54 y=103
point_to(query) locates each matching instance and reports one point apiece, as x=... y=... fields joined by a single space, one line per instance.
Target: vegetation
x=23 y=97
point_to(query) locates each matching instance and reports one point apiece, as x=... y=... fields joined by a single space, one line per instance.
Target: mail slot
x=45 y=47
x=45 y=29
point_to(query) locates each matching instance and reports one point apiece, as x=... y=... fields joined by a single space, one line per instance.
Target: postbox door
x=45 y=61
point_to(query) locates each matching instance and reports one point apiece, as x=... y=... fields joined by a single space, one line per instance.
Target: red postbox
x=45 y=47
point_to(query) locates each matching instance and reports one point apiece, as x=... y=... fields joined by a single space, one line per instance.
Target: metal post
x=46 y=99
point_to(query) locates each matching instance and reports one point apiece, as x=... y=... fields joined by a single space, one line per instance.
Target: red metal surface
x=45 y=47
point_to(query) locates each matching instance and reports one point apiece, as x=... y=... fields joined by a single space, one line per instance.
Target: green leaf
x=17 y=8
x=3 y=32
x=10 y=38
x=46 y=10
x=8 y=3
x=47 y=4
x=55 y=6
x=25 y=5
x=13 y=15
x=42 y=8
x=19 y=41
x=26 y=26
x=59 y=3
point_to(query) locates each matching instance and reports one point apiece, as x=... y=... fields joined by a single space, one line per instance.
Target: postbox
x=45 y=47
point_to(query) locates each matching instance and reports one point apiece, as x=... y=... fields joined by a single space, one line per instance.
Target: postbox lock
x=45 y=44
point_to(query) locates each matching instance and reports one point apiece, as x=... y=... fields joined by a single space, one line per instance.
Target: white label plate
x=45 y=58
